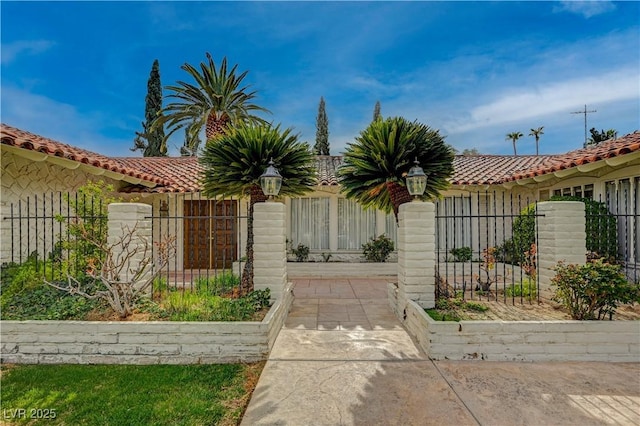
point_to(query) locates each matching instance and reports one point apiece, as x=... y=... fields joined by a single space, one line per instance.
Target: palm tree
x=234 y=161
x=375 y=166
x=536 y=133
x=216 y=100
x=514 y=138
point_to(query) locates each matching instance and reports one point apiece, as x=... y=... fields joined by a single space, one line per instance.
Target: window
x=582 y=191
x=310 y=222
x=355 y=225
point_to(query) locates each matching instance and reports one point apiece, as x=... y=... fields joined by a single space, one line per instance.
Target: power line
x=585 y=112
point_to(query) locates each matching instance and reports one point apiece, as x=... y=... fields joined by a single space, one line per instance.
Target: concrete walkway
x=343 y=358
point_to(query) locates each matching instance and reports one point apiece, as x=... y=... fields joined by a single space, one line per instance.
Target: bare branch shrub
x=125 y=271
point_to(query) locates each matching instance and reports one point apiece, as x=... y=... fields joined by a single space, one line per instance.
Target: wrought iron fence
x=622 y=243
x=54 y=232
x=46 y=231
x=485 y=247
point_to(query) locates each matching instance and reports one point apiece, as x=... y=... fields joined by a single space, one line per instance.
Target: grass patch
x=454 y=309
x=131 y=395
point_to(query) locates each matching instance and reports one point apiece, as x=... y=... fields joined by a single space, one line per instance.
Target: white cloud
x=558 y=97
x=59 y=121
x=585 y=8
x=31 y=47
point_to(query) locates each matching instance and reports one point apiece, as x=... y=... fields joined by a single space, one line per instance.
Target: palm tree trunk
x=246 y=284
x=399 y=195
x=537 y=139
x=514 y=147
x=215 y=126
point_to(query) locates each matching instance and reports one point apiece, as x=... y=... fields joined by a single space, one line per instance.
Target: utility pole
x=585 y=112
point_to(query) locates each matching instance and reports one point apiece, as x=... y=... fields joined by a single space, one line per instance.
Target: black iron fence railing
x=58 y=235
x=486 y=247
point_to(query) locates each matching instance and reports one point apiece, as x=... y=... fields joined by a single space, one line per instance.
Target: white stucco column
x=416 y=254
x=269 y=248
x=561 y=237
x=130 y=221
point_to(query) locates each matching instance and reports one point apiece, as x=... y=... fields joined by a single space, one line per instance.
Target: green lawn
x=127 y=394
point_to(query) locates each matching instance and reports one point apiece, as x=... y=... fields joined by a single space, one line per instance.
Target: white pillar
x=269 y=248
x=416 y=254
x=130 y=219
x=561 y=237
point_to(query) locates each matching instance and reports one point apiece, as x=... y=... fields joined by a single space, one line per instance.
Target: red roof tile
x=492 y=169
x=29 y=141
x=183 y=174
x=609 y=149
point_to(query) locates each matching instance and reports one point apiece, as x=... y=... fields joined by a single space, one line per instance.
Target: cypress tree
x=322 y=131
x=151 y=141
x=376 y=111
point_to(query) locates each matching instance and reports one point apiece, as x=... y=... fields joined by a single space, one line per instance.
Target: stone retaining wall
x=157 y=342
x=614 y=341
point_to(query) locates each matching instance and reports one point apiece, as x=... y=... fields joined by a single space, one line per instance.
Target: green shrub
x=461 y=254
x=526 y=289
x=592 y=291
x=46 y=303
x=301 y=252
x=24 y=277
x=378 y=249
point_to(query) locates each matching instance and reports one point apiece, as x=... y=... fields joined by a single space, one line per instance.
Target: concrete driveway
x=343 y=358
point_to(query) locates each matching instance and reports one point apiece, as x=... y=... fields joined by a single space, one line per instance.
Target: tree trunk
x=246 y=284
x=537 y=139
x=399 y=195
x=215 y=126
x=514 y=147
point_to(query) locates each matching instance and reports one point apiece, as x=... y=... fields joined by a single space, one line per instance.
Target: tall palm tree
x=536 y=133
x=514 y=138
x=216 y=101
x=375 y=166
x=234 y=161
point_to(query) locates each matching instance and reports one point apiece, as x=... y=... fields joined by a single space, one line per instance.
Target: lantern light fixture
x=416 y=180
x=271 y=181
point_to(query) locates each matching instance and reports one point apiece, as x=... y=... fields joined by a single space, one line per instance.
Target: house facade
x=34 y=167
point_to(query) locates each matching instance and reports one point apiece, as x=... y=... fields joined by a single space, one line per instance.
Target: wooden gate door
x=210 y=234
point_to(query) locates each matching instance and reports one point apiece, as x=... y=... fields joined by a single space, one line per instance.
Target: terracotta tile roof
x=613 y=148
x=492 y=169
x=182 y=174
x=29 y=141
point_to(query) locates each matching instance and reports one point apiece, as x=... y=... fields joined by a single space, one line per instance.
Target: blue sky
x=77 y=71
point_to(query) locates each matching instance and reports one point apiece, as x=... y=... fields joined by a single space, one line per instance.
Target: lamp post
x=271 y=181
x=416 y=181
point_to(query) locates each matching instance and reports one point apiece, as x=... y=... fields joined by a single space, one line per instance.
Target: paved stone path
x=343 y=358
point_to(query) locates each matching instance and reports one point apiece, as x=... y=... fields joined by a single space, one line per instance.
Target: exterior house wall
x=383 y=225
